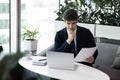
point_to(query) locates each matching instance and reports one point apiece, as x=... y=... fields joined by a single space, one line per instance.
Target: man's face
x=71 y=25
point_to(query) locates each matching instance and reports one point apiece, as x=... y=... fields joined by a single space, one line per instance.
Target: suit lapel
x=65 y=35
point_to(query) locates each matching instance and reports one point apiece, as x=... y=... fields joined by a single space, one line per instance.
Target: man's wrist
x=68 y=41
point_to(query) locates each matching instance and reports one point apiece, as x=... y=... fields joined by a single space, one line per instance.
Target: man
x=73 y=37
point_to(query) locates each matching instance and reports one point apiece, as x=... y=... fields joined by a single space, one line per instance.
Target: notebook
x=38 y=60
x=60 y=60
x=41 y=62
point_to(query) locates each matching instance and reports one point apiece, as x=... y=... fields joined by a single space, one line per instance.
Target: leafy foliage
x=68 y=5
x=105 y=12
x=30 y=34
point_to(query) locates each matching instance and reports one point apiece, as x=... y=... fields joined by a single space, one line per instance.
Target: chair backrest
x=50 y=48
x=106 y=54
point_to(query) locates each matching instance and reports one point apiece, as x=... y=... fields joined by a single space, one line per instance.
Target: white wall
x=105 y=31
x=111 y=32
x=60 y=25
x=88 y=26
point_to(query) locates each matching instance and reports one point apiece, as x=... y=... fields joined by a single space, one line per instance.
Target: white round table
x=81 y=72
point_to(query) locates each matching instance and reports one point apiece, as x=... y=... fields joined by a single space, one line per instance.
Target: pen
x=41 y=59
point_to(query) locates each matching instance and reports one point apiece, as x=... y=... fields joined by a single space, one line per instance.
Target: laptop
x=60 y=60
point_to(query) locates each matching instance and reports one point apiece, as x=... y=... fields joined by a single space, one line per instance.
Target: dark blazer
x=84 y=39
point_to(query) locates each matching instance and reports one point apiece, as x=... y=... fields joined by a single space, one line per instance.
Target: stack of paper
x=40 y=62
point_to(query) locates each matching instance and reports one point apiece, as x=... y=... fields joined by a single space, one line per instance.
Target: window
x=4 y=7
x=4 y=24
x=39 y=14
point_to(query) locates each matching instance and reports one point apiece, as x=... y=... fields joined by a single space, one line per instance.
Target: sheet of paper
x=38 y=57
x=38 y=60
x=85 y=53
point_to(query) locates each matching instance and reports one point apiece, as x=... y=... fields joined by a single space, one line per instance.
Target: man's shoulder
x=62 y=30
x=80 y=28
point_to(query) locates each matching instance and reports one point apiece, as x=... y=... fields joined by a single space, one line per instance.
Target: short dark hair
x=70 y=15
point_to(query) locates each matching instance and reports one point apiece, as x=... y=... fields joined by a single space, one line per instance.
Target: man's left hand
x=90 y=59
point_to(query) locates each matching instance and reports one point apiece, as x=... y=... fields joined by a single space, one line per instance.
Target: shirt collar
x=75 y=30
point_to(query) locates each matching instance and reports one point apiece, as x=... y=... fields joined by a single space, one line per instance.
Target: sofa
x=108 y=59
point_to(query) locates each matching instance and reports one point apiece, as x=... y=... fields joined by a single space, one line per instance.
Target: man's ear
x=77 y=21
x=64 y=21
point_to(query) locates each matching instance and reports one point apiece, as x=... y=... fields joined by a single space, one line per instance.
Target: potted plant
x=30 y=39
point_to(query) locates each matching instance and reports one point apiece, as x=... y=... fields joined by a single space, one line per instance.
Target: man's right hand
x=71 y=35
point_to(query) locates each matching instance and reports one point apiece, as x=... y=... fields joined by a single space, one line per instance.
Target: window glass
x=4 y=7
x=39 y=14
x=4 y=24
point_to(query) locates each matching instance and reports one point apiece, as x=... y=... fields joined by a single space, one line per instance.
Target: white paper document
x=41 y=61
x=85 y=53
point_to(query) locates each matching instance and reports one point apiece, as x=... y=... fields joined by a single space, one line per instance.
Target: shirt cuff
x=68 y=42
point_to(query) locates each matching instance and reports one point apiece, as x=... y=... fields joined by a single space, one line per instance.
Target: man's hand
x=71 y=35
x=90 y=59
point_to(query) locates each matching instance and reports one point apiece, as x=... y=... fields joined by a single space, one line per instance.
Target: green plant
x=108 y=12
x=68 y=4
x=29 y=34
x=84 y=15
x=105 y=12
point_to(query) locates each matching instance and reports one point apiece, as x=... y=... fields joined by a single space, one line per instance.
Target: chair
x=50 y=48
